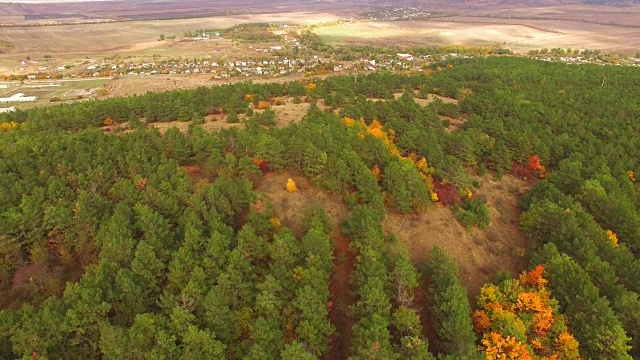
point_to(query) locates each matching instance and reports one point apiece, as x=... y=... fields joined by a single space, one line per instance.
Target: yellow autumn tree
x=613 y=238
x=291 y=185
x=275 y=222
x=9 y=126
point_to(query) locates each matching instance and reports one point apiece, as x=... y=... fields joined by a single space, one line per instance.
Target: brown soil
x=342 y=297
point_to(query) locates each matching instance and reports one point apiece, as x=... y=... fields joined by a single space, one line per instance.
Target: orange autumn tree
x=613 y=238
x=535 y=166
x=519 y=319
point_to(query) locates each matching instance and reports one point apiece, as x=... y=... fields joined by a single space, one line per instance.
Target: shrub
x=266 y=118
x=473 y=212
x=232 y=118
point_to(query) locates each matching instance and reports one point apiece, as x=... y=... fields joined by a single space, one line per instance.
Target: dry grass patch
x=290 y=207
x=478 y=254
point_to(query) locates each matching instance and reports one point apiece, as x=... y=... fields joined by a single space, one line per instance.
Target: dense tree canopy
x=109 y=249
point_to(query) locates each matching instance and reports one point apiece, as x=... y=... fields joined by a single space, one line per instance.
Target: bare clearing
x=140 y=84
x=285 y=114
x=291 y=207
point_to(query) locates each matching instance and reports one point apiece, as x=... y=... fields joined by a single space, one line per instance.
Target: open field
x=86 y=12
x=518 y=35
x=130 y=36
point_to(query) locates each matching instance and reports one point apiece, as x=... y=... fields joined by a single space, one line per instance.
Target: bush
x=266 y=118
x=232 y=118
x=297 y=100
x=481 y=170
x=473 y=212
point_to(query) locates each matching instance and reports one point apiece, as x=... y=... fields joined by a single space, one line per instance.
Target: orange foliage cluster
x=498 y=347
x=613 y=238
x=481 y=321
x=376 y=171
x=259 y=207
x=631 y=176
x=311 y=87
x=263 y=105
x=142 y=184
x=534 y=165
x=8 y=126
x=525 y=307
x=261 y=164
x=534 y=277
x=108 y=122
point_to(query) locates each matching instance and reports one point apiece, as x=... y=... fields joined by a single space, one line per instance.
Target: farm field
x=72 y=43
x=518 y=35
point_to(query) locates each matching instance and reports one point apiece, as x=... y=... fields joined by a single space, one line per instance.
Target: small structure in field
x=7 y=110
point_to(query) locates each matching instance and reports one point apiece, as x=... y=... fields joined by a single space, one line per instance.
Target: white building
x=407 y=57
x=6 y=110
x=19 y=97
x=4 y=86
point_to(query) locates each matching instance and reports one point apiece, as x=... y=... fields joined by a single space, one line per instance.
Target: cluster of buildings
x=395 y=13
x=219 y=69
x=579 y=60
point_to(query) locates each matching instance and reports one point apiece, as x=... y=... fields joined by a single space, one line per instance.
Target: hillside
x=456 y=213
